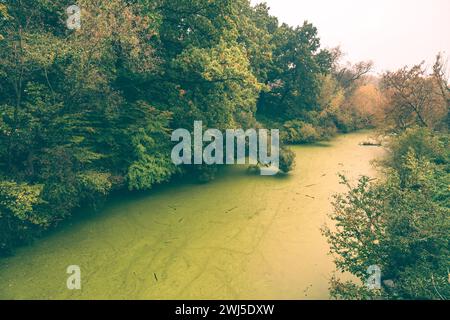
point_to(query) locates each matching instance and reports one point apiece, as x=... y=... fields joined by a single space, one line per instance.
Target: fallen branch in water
x=229 y=210
x=370 y=144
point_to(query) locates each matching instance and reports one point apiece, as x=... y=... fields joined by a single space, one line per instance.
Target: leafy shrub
x=299 y=132
x=400 y=224
x=287 y=159
x=18 y=213
x=423 y=142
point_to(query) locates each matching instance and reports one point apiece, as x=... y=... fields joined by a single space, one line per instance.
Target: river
x=241 y=236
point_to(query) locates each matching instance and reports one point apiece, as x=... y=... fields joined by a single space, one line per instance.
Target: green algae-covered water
x=239 y=237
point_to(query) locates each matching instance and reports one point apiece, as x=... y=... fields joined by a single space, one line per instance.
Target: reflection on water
x=239 y=237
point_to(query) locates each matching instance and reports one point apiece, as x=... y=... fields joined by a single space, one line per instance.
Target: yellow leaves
x=20 y=200
x=77 y=139
x=42 y=49
x=107 y=22
x=331 y=94
x=368 y=100
x=4 y=11
x=90 y=130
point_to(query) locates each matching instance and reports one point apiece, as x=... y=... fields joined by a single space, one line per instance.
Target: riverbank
x=238 y=237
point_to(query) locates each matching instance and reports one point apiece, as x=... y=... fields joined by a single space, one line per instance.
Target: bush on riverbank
x=399 y=224
x=287 y=160
x=298 y=132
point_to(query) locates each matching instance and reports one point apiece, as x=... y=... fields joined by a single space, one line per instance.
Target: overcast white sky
x=392 y=33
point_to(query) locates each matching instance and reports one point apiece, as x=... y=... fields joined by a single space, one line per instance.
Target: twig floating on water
x=231 y=209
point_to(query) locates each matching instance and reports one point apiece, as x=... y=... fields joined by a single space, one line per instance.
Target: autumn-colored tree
x=367 y=101
x=413 y=99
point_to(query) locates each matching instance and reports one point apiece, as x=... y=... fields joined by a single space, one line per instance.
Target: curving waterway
x=239 y=237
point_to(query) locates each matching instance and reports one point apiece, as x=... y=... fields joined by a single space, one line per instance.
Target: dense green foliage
x=89 y=111
x=85 y=112
x=399 y=224
x=70 y=132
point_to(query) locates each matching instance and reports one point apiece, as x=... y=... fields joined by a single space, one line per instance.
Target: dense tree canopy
x=89 y=110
